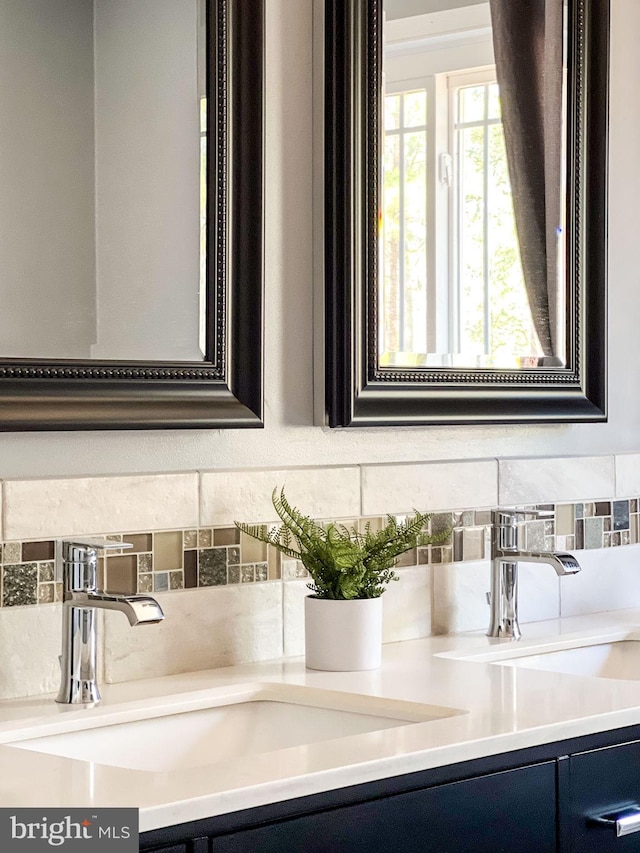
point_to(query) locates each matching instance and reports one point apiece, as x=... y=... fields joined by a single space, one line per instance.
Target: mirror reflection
x=103 y=137
x=472 y=265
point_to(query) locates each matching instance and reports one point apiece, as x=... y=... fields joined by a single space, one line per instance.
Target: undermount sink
x=619 y=659
x=615 y=656
x=223 y=724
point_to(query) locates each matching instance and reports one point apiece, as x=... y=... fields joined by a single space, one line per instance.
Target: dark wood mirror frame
x=357 y=391
x=225 y=390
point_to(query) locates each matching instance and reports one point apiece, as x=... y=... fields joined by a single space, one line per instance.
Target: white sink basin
x=614 y=655
x=619 y=659
x=222 y=724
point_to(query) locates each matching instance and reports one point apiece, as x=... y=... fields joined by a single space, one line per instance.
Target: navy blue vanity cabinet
x=483 y=815
x=605 y=783
x=510 y=810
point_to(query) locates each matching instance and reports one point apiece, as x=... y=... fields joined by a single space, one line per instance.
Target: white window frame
x=456 y=81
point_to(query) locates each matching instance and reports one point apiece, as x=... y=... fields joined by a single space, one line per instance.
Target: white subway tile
x=31 y=640
x=66 y=507
x=429 y=486
x=459 y=597
x=203 y=628
x=608 y=581
x=538 y=592
x=406 y=606
x=627 y=475
x=228 y=496
x=527 y=481
x=294 y=593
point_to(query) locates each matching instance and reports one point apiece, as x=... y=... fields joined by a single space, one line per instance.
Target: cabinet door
x=502 y=812
x=603 y=782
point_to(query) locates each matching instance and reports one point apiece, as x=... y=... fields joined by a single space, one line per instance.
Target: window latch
x=446 y=169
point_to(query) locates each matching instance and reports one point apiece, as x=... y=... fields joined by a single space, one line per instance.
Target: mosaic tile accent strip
x=166 y=560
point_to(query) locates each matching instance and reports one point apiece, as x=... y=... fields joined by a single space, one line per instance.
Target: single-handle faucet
x=78 y=566
x=505 y=556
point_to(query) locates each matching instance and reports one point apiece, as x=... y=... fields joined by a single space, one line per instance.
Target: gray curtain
x=527 y=40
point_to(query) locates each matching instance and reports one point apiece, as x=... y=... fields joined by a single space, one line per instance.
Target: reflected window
x=490 y=310
x=456 y=166
x=405 y=235
x=452 y=290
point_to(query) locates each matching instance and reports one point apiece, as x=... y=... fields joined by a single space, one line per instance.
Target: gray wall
x=46 y=178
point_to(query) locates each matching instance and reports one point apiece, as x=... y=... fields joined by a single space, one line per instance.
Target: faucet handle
x=95 y=543
x=82 y=553
x=513 y=513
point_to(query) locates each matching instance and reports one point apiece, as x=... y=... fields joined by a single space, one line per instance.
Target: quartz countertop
x=507 y=708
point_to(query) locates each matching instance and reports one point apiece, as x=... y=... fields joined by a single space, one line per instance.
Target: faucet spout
x=563 y=563
x=139 y=609
x=81 y=599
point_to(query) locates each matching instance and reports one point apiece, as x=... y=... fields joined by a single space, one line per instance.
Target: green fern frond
x=344 y=563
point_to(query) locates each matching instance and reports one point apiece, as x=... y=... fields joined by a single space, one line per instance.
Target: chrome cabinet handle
x=626 y=821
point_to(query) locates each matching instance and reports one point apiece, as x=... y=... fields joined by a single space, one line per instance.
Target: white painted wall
x=407 y=8
x=46 y=178
x=289 y=437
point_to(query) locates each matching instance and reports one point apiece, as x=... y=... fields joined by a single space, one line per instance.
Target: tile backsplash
x=169 y=560
x=244 y=602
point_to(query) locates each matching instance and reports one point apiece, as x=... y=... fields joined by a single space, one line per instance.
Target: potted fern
x=349 y=569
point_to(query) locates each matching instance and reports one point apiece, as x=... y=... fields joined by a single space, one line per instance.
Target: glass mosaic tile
x=226 y=536
x=233 y=574
x=139 y=542
x=12 y=552
x=621 y=515
x=145 y=583
x=247 y=573
x=565 y=518
x=212 y=567
x=36 y=551
x=46 y=593
x=145 y=562
x=458 y=545
x=167 y=551
x=205 y=538
x=593 y=532
x=176 y=580
x=185 y=559
x=46 y=572
x=19 y=584
x=160 y=581
x=190 y=538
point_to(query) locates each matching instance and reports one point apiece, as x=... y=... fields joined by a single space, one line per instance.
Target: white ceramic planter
x=343 y=636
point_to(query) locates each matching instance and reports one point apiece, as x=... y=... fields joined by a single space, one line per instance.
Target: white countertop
x=508 y=708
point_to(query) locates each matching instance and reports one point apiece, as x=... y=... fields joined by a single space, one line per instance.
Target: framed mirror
x=131 y=218
x=464 y=211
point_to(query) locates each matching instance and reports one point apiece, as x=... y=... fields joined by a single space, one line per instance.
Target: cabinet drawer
x=507 y=811
x=603 y=782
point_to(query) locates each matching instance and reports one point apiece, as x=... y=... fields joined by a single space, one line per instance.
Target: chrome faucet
x=78 y=566
x=505 y=556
